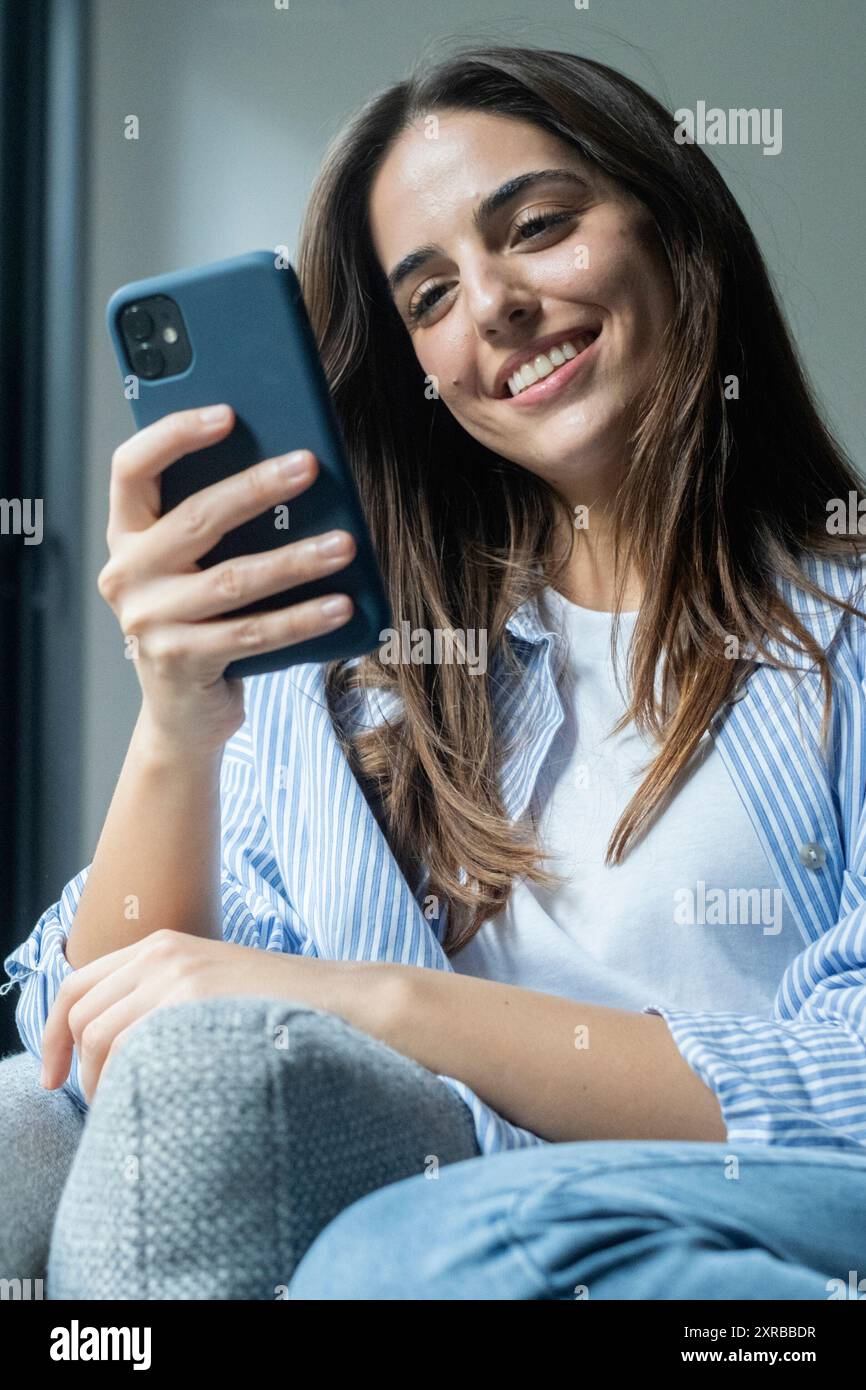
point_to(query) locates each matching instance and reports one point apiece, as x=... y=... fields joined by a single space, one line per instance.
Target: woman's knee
x=557 y=1221
x=601 y=1220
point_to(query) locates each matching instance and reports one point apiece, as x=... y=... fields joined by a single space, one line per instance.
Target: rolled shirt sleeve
x=39 y=966
x=799 y=1076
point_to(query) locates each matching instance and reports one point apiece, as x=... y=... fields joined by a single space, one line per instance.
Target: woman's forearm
x=157 y=860
x=563 y=1069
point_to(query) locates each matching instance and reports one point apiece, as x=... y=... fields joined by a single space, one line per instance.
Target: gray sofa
x=39 y=1135
x=222 y=1138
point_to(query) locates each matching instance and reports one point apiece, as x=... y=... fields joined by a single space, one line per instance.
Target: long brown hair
x=717 y=498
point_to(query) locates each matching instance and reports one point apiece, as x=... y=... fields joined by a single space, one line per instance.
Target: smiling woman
x=468 y=222
x=531 y=303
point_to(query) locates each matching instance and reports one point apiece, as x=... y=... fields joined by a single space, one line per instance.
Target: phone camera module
x=155 y=337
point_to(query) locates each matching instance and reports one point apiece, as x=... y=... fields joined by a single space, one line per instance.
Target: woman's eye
x=540 y=223
x=423 y=304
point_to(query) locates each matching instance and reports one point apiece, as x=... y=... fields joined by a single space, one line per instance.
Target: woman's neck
x=589 y=580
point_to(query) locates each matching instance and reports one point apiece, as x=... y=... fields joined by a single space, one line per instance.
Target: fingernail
x=292 y=465
x=336 y=607
x=214 y=414
x=43 y=1077
x=331 y=545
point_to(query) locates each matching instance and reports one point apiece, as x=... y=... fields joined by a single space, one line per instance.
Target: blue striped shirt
x=307 y=869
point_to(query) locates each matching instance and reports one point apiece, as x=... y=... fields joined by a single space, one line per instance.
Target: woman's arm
x=515 y=1048
x=157 y=864
x=157 y=861
x=563 y=1069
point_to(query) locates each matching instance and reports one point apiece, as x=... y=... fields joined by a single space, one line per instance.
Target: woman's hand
x=98 y=1004
x=171 y=605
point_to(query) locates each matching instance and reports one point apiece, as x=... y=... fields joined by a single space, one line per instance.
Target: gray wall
x=237 y=100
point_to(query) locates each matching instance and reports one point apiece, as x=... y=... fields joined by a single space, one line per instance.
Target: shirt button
x=813 y=855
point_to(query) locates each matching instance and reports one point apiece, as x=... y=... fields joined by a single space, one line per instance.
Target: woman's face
x=547 y=261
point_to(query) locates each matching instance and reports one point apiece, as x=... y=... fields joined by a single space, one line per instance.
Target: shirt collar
x=819 y=616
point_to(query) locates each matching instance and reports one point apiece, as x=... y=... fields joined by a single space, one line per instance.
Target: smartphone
x=237 y=331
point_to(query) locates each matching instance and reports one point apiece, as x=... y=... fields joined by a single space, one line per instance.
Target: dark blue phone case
x=253 y=347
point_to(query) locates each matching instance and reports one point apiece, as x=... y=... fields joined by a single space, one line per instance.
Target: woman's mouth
x=546 y=373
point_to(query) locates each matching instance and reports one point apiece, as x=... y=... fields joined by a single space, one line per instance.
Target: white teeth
x=528 y=374
x=543 y=365
x=547 y=362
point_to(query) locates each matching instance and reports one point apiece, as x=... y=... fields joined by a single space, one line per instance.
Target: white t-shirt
x=692 y=918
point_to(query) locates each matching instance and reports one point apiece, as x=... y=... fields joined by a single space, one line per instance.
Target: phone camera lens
x=148 y=362
x=137 y=323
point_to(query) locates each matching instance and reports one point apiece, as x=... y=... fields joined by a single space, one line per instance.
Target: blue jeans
x=607 y=1219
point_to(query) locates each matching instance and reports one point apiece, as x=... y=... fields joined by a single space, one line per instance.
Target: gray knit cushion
x=222 y=1139
x=39 y=1134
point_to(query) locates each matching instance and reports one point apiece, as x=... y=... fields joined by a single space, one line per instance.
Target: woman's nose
x=497 y=304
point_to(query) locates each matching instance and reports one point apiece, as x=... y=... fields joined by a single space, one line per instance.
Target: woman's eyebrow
x=483 y=214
